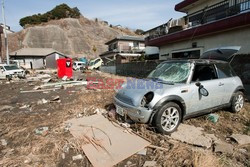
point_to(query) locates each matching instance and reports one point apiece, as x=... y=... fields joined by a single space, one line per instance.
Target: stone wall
x=136 y=69
x=241 y=65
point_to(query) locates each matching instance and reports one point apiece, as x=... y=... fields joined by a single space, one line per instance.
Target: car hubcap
x=239 y=103
x=170 y=118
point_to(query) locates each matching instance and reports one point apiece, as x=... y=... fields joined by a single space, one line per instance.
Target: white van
x=95 y=64
x=79 y=65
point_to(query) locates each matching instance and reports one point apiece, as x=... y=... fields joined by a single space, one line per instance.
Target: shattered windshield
x=171 y=72
x=8 y=68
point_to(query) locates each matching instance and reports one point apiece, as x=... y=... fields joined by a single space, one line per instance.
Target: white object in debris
x=142 y=152
x=77 y=157
x=149 y=164
x=46 y=80
x=192 y=135
x=65 y=78
x=113 y=145
x=24 y=106
x=43 y=101
x=6 y=107
x=241 y=139
x=4 y=142
x=125 y=125
x=56 y=100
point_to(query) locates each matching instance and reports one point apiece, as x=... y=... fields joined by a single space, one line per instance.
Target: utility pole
x=5 y=34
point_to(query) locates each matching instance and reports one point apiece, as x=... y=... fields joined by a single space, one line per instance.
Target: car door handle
x=221 y=84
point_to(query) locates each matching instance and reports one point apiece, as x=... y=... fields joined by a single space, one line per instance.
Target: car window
x=7 y=68
x=172 y=72
x=224 y=70
x=204 y=73
x=97 y=61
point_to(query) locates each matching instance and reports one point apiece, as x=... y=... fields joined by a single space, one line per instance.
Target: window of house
x=204 y=73
x=136 y=44
x=212 y=13
x=245 y=6
x=194 y=54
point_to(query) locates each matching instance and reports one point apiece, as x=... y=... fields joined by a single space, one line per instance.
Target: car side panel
x=230 y=85
x=197 y=102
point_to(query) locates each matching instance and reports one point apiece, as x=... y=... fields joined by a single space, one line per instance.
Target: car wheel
x=168 y=118
x=237 y=102
x=8 y=77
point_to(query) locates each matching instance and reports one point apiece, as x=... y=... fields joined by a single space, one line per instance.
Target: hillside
x=74 y=37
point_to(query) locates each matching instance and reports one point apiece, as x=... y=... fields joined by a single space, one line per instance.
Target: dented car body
x=181 y=89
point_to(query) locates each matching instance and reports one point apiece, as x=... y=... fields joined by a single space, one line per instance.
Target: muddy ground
x=22 y=113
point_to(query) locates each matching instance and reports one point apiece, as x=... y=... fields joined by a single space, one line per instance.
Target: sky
x=134 y=14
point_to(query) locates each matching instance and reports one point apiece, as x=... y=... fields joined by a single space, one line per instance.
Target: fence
x=132 y=69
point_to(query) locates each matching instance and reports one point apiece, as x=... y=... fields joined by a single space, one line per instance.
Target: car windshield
x=171 y=72
x=8 y=68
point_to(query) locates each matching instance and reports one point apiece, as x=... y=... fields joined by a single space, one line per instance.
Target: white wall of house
x=37 y=63
x=150 y=50
x=239 y=37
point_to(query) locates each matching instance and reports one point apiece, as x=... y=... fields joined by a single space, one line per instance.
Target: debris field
x=50 y=122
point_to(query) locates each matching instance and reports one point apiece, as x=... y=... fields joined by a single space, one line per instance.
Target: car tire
x=168 y=118
x=8 y=77
x=237 y=102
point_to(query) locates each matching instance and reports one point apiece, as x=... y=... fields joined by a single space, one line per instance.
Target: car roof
x=79 y=62
x=197 y=61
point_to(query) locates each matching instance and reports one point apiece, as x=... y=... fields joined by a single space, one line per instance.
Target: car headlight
x=147 y=99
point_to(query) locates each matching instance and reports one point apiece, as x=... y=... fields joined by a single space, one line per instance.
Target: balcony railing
x=209 y=14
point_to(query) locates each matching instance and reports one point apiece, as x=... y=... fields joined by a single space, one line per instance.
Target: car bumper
x=137 y=114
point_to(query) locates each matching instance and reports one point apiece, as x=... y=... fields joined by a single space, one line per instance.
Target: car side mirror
x=202 y=90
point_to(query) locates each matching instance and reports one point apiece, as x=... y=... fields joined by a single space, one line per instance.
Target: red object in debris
x=64 y=68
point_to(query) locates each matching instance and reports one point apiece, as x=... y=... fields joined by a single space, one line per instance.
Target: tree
x=139 y=31
x=59 y=12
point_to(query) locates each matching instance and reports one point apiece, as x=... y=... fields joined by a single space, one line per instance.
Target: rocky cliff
x=74 y=37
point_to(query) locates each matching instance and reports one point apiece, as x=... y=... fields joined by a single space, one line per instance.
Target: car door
x=205 y=76
x=227 y=75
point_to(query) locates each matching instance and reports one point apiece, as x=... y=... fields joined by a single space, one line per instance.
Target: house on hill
x=8 y=29
x=123 y=49
x=37 y=58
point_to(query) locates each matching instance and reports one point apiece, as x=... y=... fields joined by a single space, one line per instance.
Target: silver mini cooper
x=180 y=89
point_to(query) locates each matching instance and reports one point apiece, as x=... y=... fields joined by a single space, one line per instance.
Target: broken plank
x=158 y=148
x=40 y=90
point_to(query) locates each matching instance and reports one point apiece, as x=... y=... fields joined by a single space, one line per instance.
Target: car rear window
x=225 y=70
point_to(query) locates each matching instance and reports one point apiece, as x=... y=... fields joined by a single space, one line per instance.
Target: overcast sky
x=143 y=14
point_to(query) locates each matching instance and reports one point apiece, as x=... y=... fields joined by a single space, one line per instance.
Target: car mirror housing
x=203 y=91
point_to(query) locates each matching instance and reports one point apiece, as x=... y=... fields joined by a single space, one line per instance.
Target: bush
x=59 y=12
x=139 y=32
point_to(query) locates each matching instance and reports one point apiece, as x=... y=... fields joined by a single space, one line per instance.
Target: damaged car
x=188 y=88
x=11 y=71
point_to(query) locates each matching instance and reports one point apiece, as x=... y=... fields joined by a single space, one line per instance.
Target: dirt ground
x=22 y=113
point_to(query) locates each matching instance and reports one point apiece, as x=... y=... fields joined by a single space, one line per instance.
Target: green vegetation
x=59 y=12
x=139 y=32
